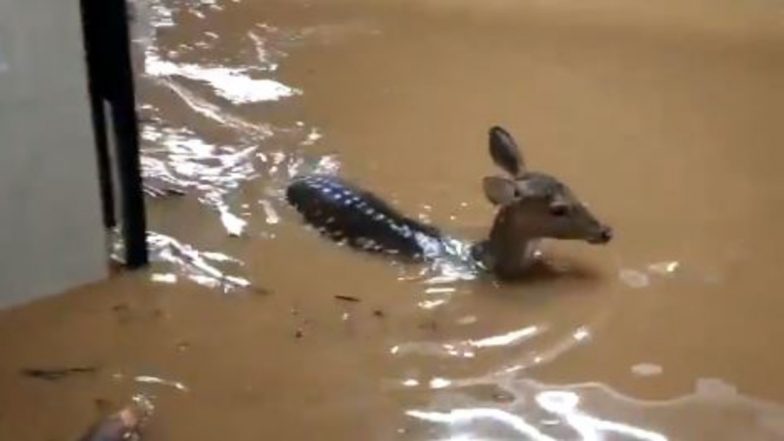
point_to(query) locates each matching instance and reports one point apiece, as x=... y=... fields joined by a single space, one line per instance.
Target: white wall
x=51 y=234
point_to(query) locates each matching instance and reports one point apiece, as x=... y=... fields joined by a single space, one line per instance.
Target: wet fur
x=347 y=213
x=531 y=206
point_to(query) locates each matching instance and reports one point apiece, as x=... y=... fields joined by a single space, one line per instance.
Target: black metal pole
x=104 y=164
x=126 y=127
x=109 y=60
x=96 y=89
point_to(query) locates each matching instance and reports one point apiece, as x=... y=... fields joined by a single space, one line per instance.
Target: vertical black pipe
x=126 y=127
x=109 y=60
x=104 y=163
x=96 y=92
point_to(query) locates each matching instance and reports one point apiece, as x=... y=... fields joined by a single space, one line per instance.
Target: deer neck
x=510 y=248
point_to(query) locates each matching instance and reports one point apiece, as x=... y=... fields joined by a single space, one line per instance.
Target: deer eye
x=559 y=210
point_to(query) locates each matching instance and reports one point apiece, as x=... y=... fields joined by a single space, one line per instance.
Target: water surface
x=664 y=117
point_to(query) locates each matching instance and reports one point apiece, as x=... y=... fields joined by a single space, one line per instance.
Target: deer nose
x=601 y=236
x=605 y=235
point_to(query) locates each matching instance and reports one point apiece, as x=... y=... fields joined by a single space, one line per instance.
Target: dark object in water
x=531 y=206
x=348 y=298
x=57 y=373
x=124 y=425
x=344 y=212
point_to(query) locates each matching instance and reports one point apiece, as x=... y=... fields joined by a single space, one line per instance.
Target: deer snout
x=604 y=235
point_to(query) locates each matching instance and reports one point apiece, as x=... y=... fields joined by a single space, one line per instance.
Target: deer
x=530 y=206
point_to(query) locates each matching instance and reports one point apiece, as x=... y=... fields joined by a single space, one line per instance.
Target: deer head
x=531 y=206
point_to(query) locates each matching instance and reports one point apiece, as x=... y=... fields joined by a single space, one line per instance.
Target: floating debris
x=57 y=373
x=348 y=298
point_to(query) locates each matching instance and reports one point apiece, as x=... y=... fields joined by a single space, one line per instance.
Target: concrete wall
x=51 y=235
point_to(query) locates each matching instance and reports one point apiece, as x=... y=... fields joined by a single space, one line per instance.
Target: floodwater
x=664 y=116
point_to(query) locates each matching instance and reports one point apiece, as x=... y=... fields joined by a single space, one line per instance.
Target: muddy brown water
x=665 y=117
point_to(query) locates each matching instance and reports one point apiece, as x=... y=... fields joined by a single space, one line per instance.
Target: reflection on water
x=562 y=407
x=469 y=347
x=578 y=412
x=148 y=379
x=649 y=110
x=233 y=84
x=202 y=267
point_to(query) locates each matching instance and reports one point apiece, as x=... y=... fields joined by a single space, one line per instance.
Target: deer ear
x=505 y=153
x=500 y=191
